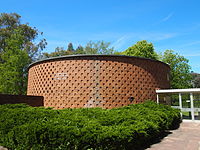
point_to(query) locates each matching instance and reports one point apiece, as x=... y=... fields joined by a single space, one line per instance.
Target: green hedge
x=130 y=127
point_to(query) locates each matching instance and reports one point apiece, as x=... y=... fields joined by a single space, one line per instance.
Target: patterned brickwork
x=96 y=80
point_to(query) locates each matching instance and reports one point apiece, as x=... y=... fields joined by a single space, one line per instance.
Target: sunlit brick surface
x=96 y=80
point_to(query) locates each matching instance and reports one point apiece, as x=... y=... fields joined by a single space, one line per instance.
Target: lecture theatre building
x=105 y=81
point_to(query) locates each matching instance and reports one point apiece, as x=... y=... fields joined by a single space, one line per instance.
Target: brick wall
x=96 y=80
x=34 y=101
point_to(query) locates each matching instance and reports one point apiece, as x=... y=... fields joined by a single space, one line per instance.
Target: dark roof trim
x=85 y=55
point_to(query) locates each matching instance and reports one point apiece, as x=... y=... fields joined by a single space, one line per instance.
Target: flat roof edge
x=87 y=55
x=191 y=90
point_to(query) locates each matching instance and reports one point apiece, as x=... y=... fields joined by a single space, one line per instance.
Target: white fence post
x=192 y=106
x=157 y=98
x=180 y=103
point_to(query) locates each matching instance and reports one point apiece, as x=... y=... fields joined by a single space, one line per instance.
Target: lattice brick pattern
x=96 y=81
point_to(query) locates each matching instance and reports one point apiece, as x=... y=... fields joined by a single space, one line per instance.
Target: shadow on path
x=186 y=137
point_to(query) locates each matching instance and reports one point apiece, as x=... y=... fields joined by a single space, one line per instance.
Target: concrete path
x=2 y=148
x=186 y=137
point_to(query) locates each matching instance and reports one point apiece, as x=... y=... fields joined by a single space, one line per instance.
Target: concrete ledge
x=34 y=101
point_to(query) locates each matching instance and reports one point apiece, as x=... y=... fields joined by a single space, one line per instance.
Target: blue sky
x=168 y=24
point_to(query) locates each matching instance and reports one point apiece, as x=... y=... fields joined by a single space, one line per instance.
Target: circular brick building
x=105 y=81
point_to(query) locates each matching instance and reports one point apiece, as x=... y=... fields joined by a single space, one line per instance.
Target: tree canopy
x=180 y=69
x=195 y=80
x=17 y=51
x=99 y=47
x=70 y=48
x=59 y=51
x=141 y=49
x=79 y=50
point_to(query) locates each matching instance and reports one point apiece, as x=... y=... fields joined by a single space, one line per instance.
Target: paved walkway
x=2 y=148
x=186 y=137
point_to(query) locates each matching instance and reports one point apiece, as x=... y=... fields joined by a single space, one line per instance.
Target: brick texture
x=105 y=81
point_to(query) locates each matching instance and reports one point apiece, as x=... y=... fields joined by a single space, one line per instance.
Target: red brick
x=96 y=80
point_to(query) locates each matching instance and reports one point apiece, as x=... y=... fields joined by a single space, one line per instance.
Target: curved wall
x=105 y=81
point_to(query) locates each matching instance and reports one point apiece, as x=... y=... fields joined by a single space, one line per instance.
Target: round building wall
x=105 y=81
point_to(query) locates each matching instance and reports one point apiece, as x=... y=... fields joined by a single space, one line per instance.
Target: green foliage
x=130 y=127
x=17 y=50
x=196 y=80
x=10 y=24
x=13 y=75
x=79 y=50
x=180 y=70
x=141 y=49
x=118 y=53
x=180 y=76
x=70 y=47
x=99 y=47
x=59 y=51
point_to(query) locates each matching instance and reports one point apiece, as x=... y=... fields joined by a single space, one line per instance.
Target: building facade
x=105 y=81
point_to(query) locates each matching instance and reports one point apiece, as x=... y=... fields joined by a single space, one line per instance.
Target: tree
x=79 y=50
x=99 y=47
x=17 y=51
x=141 y=49
x=10 y=24
x=118 y=53
x=180 y=70
x=70 y=48
x=59 y=51
x=195 y=80
x=13 y=69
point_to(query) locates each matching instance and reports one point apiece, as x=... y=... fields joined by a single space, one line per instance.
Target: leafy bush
x=130 y=127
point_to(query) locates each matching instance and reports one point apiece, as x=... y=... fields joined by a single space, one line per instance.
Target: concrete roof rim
x=168 y=91
x=89 y=55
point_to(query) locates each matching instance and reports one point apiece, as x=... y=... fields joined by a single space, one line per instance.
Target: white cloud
x=196 y=66
x=154 y=36
x=120 y=42
x=192 y=55
x=167 y=17
x=191 y=43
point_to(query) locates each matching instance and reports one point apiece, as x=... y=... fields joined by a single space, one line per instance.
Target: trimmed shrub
x=130 y=127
